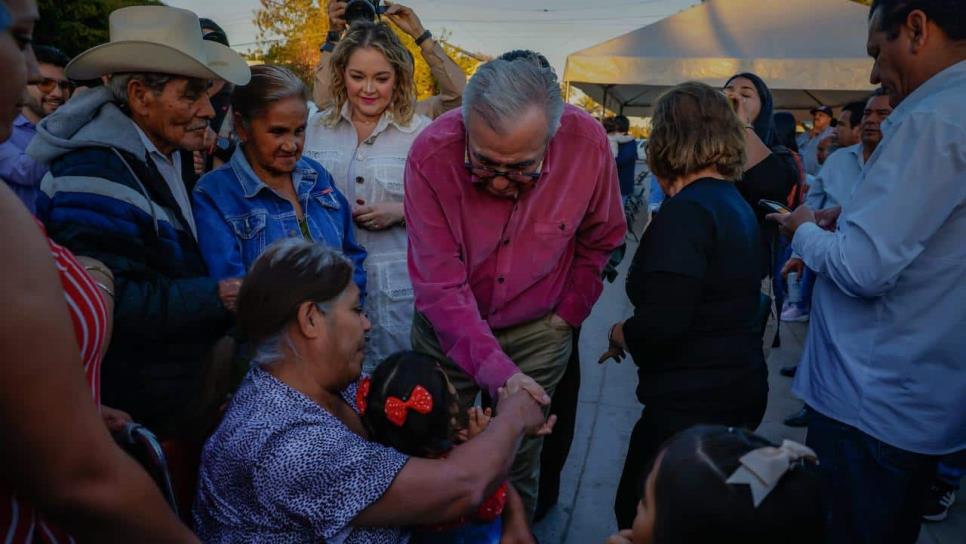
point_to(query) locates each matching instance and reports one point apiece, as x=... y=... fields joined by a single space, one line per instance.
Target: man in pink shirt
x=512 y=209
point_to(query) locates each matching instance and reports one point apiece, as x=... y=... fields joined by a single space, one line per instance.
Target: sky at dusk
x=555 y=28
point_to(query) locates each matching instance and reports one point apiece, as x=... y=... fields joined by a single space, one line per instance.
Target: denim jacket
x=238 y=216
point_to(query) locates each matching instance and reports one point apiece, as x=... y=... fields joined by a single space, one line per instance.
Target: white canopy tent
x=809 y=52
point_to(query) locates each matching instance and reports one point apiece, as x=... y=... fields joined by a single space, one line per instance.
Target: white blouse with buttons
x=372 y=171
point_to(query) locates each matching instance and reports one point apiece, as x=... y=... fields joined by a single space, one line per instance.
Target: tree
x=74 y=26
x=588 y=104
x=291 y=32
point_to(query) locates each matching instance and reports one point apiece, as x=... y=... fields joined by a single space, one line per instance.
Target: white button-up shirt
x=837 y=178
x=808 y=149
x=170 y=169
x=886 y=349
x=373 y=172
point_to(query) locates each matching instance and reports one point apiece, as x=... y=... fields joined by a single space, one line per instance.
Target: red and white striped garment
x=19 y=523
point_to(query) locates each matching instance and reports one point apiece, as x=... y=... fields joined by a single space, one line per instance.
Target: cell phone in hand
x=774 y=207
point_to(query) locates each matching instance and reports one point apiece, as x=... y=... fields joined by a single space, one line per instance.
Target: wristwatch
x=331 y=38
x=423 y=37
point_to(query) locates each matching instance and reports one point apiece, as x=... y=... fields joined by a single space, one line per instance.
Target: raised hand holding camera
x=336 y=14
x=405 y=18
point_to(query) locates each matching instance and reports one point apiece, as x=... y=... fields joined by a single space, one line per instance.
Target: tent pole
x=603 y=103
x=567 y=92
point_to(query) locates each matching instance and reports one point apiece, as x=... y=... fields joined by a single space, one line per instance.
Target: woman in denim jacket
x=268 y=191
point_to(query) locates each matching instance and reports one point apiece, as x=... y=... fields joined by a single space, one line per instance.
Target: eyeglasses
x=480 y=173
x=48 y=84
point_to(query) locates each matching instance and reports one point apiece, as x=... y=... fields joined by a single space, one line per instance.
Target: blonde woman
x=362 y=139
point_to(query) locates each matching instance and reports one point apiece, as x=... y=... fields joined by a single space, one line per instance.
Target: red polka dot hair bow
x=419 y=401
x=362 y=394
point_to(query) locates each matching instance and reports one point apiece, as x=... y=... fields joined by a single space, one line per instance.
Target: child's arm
x=516 y=528
x=479 y=419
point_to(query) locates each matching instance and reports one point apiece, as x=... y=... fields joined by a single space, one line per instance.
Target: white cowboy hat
x=159 y=39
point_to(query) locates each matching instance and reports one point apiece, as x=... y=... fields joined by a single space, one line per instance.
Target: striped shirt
x=19 y=523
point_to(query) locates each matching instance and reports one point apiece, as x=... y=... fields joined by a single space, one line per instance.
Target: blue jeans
x=876 y=491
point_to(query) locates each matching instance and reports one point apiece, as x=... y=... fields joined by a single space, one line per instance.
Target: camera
x=363 y=10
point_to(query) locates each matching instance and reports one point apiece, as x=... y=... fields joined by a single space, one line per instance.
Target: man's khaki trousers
x=541 y=351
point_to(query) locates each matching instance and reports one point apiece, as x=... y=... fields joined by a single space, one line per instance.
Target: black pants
x=659 y=423
x=556 y=446
x=876 y=491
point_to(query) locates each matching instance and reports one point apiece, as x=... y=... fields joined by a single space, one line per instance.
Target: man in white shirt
x=833 y=187
x=883 y=369
x=835 y=181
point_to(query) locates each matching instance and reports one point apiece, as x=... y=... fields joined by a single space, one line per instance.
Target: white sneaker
x=939 y=502
x=794 y=314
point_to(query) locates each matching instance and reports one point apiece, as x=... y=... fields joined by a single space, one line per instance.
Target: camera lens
x=359 y=10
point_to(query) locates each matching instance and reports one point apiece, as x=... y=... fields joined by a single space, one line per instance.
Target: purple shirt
x=21 y=172
x=479 y=262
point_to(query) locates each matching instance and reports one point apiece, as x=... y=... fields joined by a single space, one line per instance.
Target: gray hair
x=154 y=81
x=269 y=84
x=119 y=82
x=501 y=91
x=288 y=273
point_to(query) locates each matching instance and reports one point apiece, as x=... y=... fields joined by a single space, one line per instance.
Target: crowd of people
x=356 y=314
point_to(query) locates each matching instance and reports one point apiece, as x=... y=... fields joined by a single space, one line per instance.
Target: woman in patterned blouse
x=291 y=460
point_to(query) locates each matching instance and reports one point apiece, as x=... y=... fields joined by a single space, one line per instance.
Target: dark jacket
x=105 y=198
x=626 y=163
x=695 y=333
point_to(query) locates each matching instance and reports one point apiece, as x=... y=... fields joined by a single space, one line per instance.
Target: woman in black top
x=770 y=171
x=695 y=285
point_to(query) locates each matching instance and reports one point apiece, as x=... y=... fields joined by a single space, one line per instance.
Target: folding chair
x=143 y=446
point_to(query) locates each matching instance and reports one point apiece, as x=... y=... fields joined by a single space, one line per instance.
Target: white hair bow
x=763 y=468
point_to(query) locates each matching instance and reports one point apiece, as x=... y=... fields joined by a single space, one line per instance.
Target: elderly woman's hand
x=377 y=216
x=616 y=345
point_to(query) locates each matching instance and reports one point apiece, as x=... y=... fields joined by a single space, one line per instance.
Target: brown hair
x=268 y=85
x=693 y=128
x=378 y=36
x=290 y=272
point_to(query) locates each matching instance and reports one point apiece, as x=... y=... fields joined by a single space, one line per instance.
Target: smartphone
x=775 y=207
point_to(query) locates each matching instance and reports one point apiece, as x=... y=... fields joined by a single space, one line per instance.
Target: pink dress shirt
x=480 y=262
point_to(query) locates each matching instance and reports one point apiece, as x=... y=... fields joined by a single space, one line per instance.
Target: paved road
x=608 y=410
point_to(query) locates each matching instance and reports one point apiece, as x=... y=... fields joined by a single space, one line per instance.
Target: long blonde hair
x=378 y=36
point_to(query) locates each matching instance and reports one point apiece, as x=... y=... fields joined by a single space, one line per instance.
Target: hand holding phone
x=774 y=207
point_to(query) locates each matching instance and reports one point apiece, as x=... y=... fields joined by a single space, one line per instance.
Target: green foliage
x=77 y=25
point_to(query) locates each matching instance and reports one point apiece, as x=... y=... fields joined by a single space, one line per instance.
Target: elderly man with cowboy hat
x=115 y=193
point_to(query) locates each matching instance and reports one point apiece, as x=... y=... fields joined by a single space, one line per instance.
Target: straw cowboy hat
x=159 y=39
